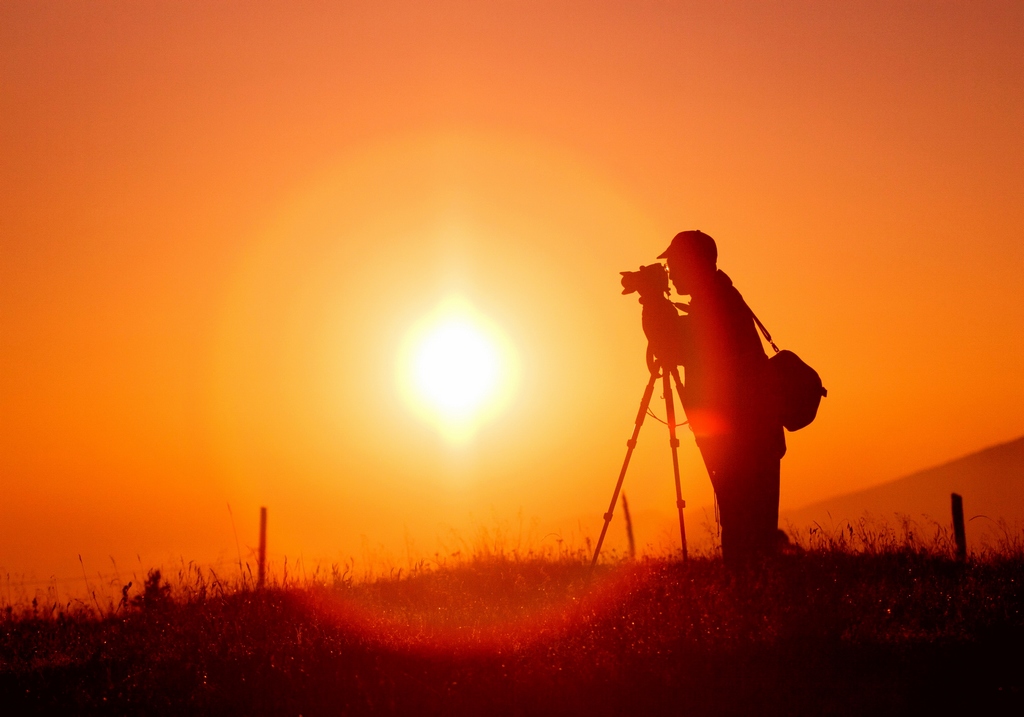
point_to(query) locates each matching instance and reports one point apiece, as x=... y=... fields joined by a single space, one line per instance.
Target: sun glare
x=457 y=370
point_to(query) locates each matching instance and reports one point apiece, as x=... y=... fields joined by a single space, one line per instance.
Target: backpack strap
x=764 y=331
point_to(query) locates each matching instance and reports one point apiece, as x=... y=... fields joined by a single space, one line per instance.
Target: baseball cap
x=692 y=243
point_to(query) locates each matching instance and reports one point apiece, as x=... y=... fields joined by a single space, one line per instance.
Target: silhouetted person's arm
x=666 y=330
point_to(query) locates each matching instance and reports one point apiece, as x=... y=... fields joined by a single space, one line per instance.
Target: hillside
x=991 y=482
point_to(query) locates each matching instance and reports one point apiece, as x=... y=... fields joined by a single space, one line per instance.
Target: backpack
x=798 y=386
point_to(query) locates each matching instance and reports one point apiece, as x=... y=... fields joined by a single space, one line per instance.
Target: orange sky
x=219 y=222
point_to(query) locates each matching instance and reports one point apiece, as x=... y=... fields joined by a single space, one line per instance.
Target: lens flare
x=457 y=370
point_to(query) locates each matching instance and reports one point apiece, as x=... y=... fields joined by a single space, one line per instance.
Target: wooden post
x=629 y=527
x=958 y=527
x=262 y=568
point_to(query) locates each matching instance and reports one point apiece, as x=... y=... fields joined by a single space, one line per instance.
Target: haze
x=221 y=222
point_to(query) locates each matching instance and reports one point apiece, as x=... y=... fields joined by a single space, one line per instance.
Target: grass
x=850 y=624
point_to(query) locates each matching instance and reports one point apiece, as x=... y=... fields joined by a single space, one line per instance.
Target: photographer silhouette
x=737 y=400
x=728 y=394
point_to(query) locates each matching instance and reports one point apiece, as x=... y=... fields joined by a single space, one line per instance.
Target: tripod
x=664 y=373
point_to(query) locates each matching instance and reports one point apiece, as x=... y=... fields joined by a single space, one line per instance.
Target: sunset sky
x=226 y=229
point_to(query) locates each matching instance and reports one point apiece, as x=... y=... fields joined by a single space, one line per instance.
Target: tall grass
x=869 y=619
x=493 y=550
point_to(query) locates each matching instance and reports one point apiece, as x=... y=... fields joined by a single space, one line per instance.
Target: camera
x=648 y=281
x=661 y=320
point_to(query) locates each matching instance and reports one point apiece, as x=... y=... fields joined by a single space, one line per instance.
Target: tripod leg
x=670 y=410
x=645 y=402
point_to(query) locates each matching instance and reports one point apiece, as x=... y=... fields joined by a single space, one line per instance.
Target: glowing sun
x=457 y=369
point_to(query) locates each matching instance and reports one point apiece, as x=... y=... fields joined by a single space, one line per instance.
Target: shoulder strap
x=764 y=331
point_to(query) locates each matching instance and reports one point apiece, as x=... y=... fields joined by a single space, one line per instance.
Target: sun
x=457 y=369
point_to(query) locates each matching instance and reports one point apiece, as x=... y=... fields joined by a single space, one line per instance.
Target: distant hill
x=991 y=482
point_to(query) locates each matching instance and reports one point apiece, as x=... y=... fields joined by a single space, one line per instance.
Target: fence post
x=629 y=527
x=958 y=527
x=261 y=573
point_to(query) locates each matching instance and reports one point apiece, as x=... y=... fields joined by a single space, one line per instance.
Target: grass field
x=846 y=627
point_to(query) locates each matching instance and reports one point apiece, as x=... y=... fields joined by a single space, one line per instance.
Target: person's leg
x=732 y=511
x=729 y=523
x=764 y=508
x=744 y=518
x=747 y=488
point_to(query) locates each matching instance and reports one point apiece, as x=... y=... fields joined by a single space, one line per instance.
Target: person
x=728 y=398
